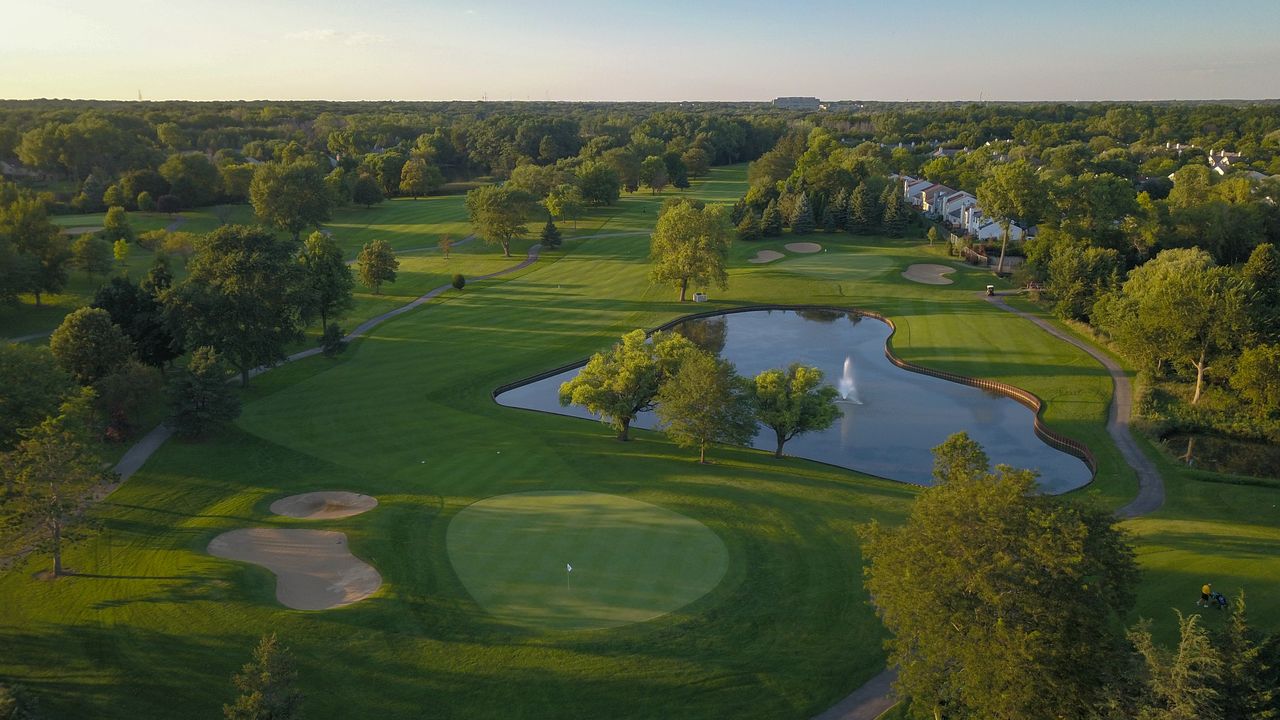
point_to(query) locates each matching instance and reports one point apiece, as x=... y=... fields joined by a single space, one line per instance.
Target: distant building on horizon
x=797 y=103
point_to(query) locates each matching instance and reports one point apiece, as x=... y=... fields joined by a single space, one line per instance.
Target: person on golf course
x=1205 y=596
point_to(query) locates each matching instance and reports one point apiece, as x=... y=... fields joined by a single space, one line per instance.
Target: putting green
x=632 y=561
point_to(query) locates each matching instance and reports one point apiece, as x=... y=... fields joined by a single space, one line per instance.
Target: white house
x=955 y=202
x=931 y=199
x=911 y=189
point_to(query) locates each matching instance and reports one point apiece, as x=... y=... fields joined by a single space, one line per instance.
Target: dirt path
x=876 y=696
x=138 y=455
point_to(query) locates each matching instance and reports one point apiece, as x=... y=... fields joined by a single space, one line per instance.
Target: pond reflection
x=899 y=415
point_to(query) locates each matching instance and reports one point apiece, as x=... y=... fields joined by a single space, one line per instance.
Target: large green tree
x=1003 y=603
x=291 y=197
x=89 y=346
x=43 y=251
x=1176 y=308
x=417 y=178
x=1012 y=193
x=705 y=402
x=690 y=245
x=243 y=296
x=793 y=401
x=653 y=174
x=192 y=178
x=1182 y=684
x=138 y=312
x=32 y=386
x=326 y=277
x=377 y=264
x=622 y=382
x=498 y=214
x=599 y=183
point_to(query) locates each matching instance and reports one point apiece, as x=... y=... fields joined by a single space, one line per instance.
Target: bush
x=459 y=282
x=331 y=342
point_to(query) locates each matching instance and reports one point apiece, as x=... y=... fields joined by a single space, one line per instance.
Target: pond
x=892 y=418
x=1216 y=454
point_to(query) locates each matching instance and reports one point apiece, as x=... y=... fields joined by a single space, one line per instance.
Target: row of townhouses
x=956 y=209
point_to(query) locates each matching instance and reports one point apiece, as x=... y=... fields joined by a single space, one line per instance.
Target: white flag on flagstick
x=568 y=567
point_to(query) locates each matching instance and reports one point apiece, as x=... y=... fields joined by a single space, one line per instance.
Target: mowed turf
x=156 y=627
x=581 y=560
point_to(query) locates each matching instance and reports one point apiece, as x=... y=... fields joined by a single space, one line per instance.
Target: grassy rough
x=157 y=626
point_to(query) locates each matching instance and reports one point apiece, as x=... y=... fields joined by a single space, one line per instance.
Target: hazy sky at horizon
x=653 y=50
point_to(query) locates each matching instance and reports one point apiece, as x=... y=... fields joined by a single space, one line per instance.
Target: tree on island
x=705 y=402
x=690 y=245
x=497 y=214
x=326 y=277
x=1003 y=602
x=267 y=685
x=377 y=264
x=622 y=382
x=243 y=296
x=1178 y=307
x=793 y=401
x=290 y=197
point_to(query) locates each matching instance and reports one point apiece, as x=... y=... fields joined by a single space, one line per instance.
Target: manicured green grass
x=581 y=560
x=159 y=626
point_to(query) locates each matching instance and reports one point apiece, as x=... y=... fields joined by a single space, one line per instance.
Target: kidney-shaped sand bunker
x=314 y=569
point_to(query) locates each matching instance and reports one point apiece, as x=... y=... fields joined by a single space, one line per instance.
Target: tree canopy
x=793 y=401
x=498 y=214
x=1002 y=602
x=243 y=296
x=623 y=381
x=690 y=245
x=705 y=402
x=291 y=197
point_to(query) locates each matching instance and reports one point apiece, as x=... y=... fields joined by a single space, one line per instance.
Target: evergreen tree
x=802 y=220
x=840 y=209
x=739 y=211
x=894 y=219
x=828 y=220
x=864 y=211
x=771 y=221
x=550 y=235
x=200 y=399
x=749 y=228
x=267 y=685
x=1249 y=681
x=1183 y=684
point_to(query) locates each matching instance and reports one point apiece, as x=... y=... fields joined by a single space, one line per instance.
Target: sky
x=658 y=50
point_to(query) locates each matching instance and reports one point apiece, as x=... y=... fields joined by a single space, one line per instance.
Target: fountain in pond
x=848 y=390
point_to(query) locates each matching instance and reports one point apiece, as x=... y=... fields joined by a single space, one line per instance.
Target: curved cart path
x=1150 y=486
x=137 y=455
x=876 y=696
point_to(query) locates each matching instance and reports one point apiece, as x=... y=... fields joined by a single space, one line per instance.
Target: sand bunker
x=324 y=505
x=804 y=247
x=314 y=570
x=766 y=256
x=929 y=274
